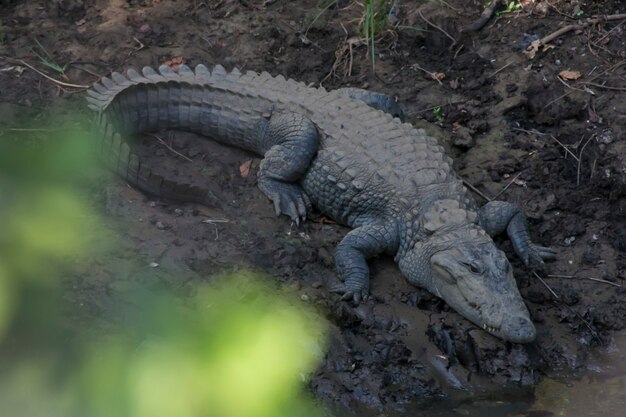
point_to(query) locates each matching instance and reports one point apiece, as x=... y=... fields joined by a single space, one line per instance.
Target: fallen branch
x=581 y=25
x=485 y=16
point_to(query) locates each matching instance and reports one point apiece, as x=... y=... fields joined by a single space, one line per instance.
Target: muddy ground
x=403 y=346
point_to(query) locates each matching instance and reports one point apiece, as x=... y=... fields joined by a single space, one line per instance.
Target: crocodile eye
x=474 y=269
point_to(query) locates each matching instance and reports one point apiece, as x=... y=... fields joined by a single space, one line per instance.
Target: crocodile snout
x=519 y=329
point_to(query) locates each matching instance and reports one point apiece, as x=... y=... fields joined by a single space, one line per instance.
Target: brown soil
x=403 y=346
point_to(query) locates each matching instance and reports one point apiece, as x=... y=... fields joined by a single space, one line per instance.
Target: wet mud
x=515 y=130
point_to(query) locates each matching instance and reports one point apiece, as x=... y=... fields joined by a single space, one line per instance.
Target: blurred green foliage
x=46 y=222
x=240 y=351
x=236 y=349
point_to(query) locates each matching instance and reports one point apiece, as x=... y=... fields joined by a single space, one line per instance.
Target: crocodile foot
x=534 y=255
x=354 y=293
x=288 y=198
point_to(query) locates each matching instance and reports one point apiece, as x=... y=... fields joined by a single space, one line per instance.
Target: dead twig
x=545 y=284
x=88 y=71
x=536 y=132
x=138 y=48
x=449 y=5
x=588 y=91
x=507 y=186
x=60 y=83
x=565 y=147
x=606 y=87
x=580 y=157
x=594 y=333
x=170 y=148
x=485 y=16
x=431 y=74
x=477 y=191
x=500 y=69
x=438 y=28
x=585 y=278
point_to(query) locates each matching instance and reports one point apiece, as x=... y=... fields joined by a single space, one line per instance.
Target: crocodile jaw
x=502 y=314
x=479 y=285
x=475 y=279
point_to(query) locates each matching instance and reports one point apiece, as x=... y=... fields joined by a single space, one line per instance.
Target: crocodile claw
x=534 y=255
x=288 y=198
x=356 y=295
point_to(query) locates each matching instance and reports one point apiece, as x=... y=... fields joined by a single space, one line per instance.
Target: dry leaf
x=570 y=75
x=536 y=46
x=175 y=62
x=244 y=169
x=438 y=76
x=542 y=8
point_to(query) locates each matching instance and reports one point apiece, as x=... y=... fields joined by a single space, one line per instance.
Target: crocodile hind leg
x=351 y=258
x=497 y=216
x=289 y=143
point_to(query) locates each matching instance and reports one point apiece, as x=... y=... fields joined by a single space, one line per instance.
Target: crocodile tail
x=115 y=151
x=118 y=155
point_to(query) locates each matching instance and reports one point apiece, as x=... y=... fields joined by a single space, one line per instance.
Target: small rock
x=160 y=225
x=153 y=264
x=462 y=137
x=527 y=39
x=178 y=212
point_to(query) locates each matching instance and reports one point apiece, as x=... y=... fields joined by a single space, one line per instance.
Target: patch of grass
x=511 y=6
x=438 y=115
x=323 y=10
x=375 y=21
x=46 y=58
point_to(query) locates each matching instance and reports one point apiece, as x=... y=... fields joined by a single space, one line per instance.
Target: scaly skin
x=338 y=151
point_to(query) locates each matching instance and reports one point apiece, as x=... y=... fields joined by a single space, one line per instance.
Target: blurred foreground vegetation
x=235 y=349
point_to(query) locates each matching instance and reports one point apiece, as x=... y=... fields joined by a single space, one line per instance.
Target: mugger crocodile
x=344 y=152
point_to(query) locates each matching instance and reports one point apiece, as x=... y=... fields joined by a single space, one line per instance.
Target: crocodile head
x=474 y=277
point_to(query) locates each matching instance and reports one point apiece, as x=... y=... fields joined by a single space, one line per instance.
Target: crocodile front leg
x=351 y=258
x=376 y=100
x=497 y=216
x=289 y=143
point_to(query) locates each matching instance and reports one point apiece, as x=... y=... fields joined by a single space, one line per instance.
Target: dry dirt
x=403 y=346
